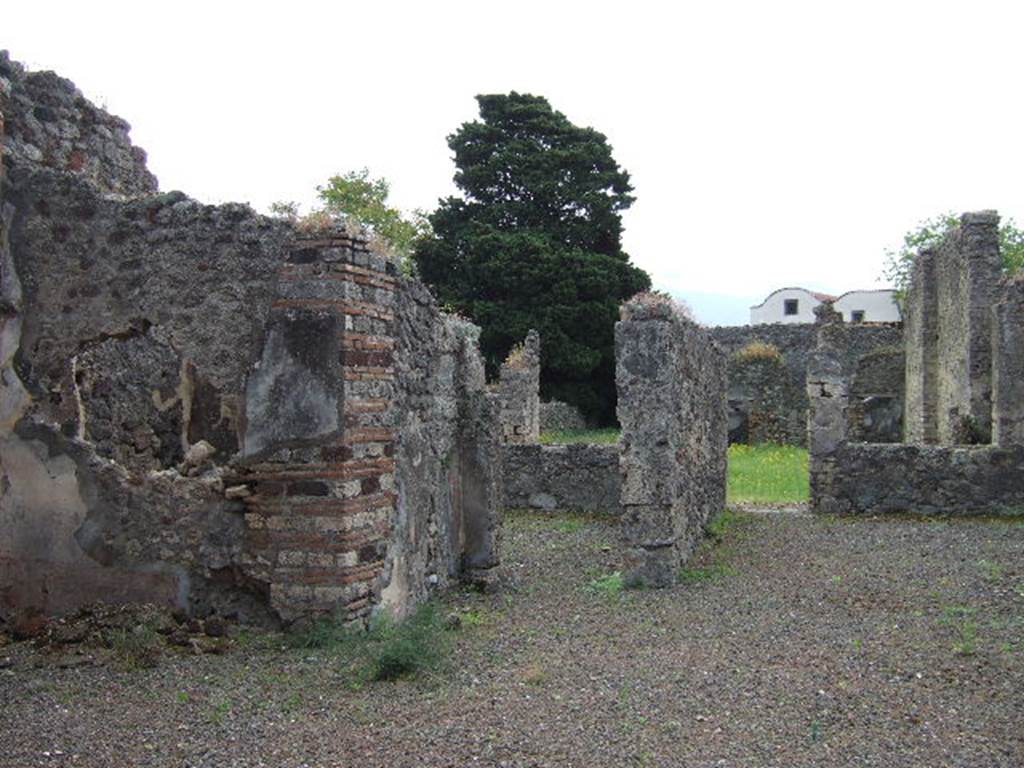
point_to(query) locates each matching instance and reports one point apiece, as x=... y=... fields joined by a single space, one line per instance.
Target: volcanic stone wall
x=964 y=356
x=199 y=406
x=769 y=402
x=876 y=397
x=447 y=523
x=519 y=390
x=577 y=476
x=1008 y=364
x=671 y=384
x=50 y=123
x=949 y=320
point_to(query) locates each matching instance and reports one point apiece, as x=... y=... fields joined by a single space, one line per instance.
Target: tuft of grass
x=768 y=474
x=137 y=647
x=389 y=649
x=992 y=571
x=407 y=648
x=961 y=619
x=607 y=435
x=611 y=584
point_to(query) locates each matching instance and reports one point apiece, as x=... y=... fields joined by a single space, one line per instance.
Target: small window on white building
x=857 y=316
x=791 y=306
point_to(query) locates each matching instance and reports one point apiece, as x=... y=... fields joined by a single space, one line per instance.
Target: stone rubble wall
x=48 y=122
x=768 y=402
x=579 y=477
x=1008 y=364
x=963 y=366
x=556 y=416
x=874 y=479
x=448 y=518
x=671 y=380
x=519 y=392
x=876 y=397
x=199 y=406
x=949 y=345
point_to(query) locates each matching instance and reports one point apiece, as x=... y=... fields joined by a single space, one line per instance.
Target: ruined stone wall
x=199 y=405
x=778 y=398
x=876 y=397
x=577 y=476
x=878 y=479
x=447 y=523
x=556 y=416
x=921 y=349
x=949 y=357
x=48 y=122
x=671 y=384
x=519 y=390
x=1008 y=364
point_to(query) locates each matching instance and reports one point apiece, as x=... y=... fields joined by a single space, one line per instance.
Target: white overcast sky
x=770 y=143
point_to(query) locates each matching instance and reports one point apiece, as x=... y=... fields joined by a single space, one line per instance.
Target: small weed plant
x=611 y=584
x=389 y=649
x=137 y=647
x=961 y=619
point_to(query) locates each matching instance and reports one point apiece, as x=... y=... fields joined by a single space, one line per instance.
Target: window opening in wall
x=857 y=316
x=791 y=306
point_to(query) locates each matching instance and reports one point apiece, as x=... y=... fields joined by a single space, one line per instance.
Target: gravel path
x=793 y=641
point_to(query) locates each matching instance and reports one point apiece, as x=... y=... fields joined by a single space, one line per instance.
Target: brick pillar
x=320 y=440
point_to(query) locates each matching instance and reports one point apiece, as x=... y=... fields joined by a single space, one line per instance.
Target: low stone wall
x=557 y=416
x=671 y=384
x=563 y=477
x=875 y=479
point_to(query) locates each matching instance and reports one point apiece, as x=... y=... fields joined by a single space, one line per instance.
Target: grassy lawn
x=768 y=474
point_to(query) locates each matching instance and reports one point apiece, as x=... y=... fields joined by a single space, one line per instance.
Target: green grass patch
x=389 y=649
x=768 y=474
x=607 y=435
x=709 y=573
x=611 y=584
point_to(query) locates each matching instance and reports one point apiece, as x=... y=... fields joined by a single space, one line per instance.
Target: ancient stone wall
x=949 y=357
x=447 y=524
x=556 y=416
x=1008 y=364
x=577 y=476
x=962 y=363
x=671 y=384
x=776 y=399
x=519 y=390
x=49 y=122
x=876 y=397
x=875 y=479
x=199 y=405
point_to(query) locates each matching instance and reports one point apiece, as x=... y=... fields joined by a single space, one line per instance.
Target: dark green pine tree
x=535 y=242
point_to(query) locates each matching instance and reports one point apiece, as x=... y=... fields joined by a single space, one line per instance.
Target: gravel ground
x=792 y=641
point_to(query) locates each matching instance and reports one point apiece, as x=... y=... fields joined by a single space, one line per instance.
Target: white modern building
x=796 y=305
